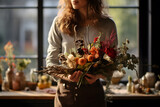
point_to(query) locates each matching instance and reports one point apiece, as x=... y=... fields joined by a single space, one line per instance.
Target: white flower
x=71 y=64
x=106 y=57
x=71 y=57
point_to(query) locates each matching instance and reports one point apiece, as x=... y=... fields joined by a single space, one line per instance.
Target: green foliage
x=22 y=64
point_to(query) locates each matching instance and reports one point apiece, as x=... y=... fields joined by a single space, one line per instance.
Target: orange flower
x=96 y=55
x=90 y=57
x=82 y=61
x=94 y=51
x=9 y=56
x=76 y=60
x=8 y=46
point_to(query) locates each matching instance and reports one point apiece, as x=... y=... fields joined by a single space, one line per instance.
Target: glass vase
x=10 y=76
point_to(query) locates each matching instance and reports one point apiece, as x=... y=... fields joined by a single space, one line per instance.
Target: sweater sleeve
x=55 y=44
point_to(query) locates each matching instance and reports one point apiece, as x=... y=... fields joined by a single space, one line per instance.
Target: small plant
x=22 y=64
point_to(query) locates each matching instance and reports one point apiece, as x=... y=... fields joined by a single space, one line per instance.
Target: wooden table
x=37 y=98
x=42 y=99
x=124 y=99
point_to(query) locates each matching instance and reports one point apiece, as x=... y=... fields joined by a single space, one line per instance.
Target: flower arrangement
x=9 y=56
x=101 y=57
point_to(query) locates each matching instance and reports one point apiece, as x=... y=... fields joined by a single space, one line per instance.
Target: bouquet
x=100 y=57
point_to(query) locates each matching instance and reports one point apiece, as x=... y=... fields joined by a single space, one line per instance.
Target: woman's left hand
x=93 y=78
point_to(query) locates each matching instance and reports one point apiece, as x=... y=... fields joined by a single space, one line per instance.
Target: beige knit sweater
x=62 y=43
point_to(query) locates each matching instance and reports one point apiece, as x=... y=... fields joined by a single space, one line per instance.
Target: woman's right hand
x=75 y=76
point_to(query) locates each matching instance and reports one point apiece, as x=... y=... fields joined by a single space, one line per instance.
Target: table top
x=49 y=93
x=118 y=92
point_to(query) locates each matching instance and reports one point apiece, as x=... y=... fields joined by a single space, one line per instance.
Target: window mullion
x=40 y=34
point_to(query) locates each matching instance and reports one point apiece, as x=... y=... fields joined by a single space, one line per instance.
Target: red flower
x=95 y=39
x=85 y=50
x=111 y=52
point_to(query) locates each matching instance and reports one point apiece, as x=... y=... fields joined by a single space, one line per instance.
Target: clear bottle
x=129 y=84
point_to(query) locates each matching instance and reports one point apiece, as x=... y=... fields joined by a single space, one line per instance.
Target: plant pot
x=151 y=79
x=16 y=85
x=157 y=85
x=32 y=85
x=20 y=77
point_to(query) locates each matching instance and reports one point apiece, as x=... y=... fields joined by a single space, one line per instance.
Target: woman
x=88 y=19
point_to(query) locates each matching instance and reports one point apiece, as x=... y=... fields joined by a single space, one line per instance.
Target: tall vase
x=10 y=76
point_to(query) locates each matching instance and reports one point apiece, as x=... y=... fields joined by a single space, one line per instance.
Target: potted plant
x=20 y=77
x=10 y=60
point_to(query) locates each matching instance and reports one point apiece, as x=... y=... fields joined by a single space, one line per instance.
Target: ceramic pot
x=10 y=76
x=138 y=88
x=16 y=85
x=157 y=85
x=151 y=79
x=32 y=85
x=144 y=81
x=20 y=77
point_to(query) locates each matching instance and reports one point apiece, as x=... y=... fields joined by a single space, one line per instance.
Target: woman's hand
x=93 y=78
x=75 y=76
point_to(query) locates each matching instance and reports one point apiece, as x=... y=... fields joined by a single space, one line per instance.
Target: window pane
x=20 y=29
x=127 y=27
x=18 y=3
x=53 y=3
x=49 y=15
x=122 y=2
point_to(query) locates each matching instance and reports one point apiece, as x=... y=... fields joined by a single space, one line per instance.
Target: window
x=21 y=22
x=125 y=14
x=18 y=24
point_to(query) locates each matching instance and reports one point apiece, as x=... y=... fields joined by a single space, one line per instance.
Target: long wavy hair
x=69 y=17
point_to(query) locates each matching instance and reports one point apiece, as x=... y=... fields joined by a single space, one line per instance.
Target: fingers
x=91 y=79
x=90 y=75
x=75 y=76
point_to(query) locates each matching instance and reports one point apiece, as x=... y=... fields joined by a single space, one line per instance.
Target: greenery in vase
x=22 y=64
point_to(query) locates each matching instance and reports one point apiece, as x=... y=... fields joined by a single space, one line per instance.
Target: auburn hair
x=69 y=17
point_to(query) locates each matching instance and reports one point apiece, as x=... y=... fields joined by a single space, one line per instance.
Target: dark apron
x=68 y=95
